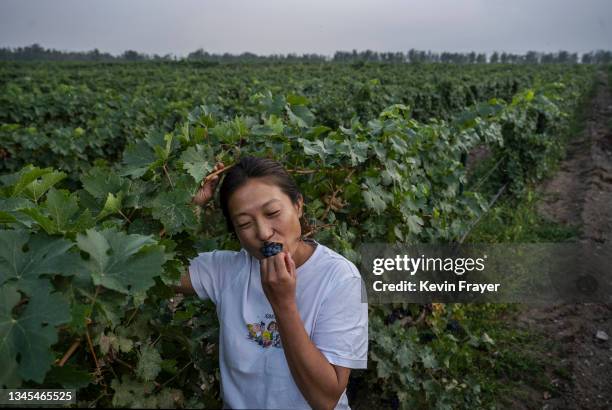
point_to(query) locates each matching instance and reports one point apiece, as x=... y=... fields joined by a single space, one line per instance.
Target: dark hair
x=253 y=167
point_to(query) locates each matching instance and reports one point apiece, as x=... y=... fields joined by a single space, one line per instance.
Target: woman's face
x=261 y=213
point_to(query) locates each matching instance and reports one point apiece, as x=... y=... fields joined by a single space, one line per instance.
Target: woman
x=292 y=325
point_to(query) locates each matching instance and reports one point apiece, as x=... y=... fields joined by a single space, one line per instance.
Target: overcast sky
x=307 y=26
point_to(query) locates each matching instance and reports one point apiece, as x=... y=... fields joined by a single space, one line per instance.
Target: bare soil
x=580 y=194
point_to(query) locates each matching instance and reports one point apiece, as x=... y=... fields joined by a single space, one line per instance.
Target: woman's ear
x=300 y=206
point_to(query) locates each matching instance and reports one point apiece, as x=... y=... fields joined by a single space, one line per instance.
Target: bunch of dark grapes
x=396 y=314
x=271 y=249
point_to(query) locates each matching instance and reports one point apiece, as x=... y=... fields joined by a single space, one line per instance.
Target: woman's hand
x=278 y=280
x=208 y=186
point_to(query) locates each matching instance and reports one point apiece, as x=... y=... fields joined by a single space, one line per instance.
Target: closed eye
x=248 y=223
x=272 y=214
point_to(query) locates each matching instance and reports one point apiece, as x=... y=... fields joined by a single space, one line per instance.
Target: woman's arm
x=186 y=287
x=320 y=382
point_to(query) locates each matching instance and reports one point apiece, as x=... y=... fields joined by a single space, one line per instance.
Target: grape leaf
x=61 y=209
x=136 y=194
x=6 y=218
x=15 y=204
x=99 y=182
x=112 y=205
x=137 y=159
x=174 y=211
x=415 y=223
x=294 y=99
x=10 y=207
x=118 y=343
x=34 y=182
x=45 y=255
x=170 y=398
x=69 y=377
x=300 y=115
x=122 y=262
x=31 y=335
x=376 y=197
x=37 y=188
x=61 y=206
x=9 y=377
x=132 y=393
x=149 y=363
x=428 y=358
x=198 y=161
x=316 y=147
x=357 y=151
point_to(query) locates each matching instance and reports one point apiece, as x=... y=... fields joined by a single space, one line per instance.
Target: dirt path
x=580 y=194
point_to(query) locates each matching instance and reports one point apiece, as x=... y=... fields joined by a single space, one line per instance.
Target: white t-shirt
x=254 y=370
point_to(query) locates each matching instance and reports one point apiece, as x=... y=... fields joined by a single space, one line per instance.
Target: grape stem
x=93 y=353
x=69 y=353
x=218 y=172
x=168 y=176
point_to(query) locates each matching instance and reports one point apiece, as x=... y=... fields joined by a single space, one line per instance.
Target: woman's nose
x=265 y=232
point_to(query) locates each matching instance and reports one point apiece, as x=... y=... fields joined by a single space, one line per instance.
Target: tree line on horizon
x=36 y=52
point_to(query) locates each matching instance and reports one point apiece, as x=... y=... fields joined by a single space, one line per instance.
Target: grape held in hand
x=271 y=249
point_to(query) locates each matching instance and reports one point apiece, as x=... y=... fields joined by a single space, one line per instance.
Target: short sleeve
x=341 y=328
x=209 y=272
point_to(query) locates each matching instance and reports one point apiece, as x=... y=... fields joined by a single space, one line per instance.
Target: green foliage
x=31 y=334
x=149 y=363
x=102 y=249
x=67 y=115
x=24 y=258
x=121 y=262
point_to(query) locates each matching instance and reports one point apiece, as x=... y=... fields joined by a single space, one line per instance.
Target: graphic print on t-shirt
x=265 y=332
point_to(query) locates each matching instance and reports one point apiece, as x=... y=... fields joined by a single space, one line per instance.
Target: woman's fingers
x=290 y=264
x=213 y=182
x=273 y=268
x=282 y=264
x=268 y=269
x=208 y=186
x=278 y=279
x=278 y=268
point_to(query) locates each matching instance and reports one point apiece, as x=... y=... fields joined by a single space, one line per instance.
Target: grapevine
x=93 y=239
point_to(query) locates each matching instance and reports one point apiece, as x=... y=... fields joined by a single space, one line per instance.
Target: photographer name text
x=428 y=286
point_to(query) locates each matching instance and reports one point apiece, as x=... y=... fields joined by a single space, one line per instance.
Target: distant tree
x=37 y=52
x=94 y=55
x=412 y=56
x=132 y=55
x=548 y=58
x=603 y=57
x=587 y=58
x=199 y=54
x=532 y=57
x=573 y=58
x=563 y=57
